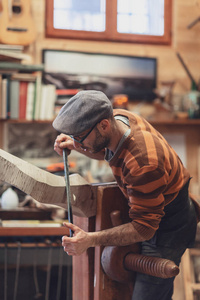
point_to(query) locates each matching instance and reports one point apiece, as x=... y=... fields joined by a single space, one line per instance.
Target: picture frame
x=110 y=73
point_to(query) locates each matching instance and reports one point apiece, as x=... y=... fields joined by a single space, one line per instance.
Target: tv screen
x=113 y=74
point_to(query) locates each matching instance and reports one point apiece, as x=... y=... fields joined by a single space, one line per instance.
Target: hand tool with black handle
x=66 y=170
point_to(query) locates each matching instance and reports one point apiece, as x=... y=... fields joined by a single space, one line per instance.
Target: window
x=79 y=15
x=144 y=21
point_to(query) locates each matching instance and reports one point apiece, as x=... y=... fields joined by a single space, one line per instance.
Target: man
x=149 y=173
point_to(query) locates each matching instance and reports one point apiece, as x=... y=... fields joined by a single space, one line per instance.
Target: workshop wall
x=185 y=41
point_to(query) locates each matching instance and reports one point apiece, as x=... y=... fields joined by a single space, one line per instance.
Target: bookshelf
x=24 y=99
x=23 y=96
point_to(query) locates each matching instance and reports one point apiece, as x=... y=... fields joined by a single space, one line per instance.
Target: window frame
x=110 y=33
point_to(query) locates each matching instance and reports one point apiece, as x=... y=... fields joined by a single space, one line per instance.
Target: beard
x=101 y=142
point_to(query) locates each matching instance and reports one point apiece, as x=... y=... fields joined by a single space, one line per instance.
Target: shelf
x=33 y=231
x=25 y=121
x=30 y=245
x=11 y=66
x=169 y=121
x=175 y=122
x=25 y=214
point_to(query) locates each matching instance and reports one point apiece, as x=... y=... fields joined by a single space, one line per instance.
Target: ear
x=104 y=125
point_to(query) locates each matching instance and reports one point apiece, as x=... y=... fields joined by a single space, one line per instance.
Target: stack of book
x=14 y=53
x=22 y=94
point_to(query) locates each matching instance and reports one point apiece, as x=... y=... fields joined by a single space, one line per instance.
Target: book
x=44 y=102
x=37 y=98
x=50 y=114
x=23 y=86
x=0 y=96
x=14 y=99
x=24 y=76
x=9 y=58
x=4 y=98
x=16 y=48
x=8 y=97
x=30 y=101
x=48 y=97
x=15 y=57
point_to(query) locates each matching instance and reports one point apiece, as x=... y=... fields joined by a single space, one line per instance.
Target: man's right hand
x=63 y=141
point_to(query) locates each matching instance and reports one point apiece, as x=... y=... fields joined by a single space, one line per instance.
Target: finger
x=71 y=226
x=70 y=253
x=66 y=250
x=61 y=137
x=66 y=240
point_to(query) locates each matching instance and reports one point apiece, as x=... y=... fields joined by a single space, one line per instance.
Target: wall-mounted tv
x=113 y=74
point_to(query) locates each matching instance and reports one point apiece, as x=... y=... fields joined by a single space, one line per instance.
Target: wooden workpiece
x=46 y=187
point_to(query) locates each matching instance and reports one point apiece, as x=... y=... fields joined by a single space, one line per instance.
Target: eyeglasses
x=84 y=137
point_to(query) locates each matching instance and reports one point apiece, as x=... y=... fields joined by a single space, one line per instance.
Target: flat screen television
x=113 y=74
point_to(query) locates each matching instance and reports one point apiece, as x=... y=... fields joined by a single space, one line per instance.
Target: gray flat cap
x=83 y=111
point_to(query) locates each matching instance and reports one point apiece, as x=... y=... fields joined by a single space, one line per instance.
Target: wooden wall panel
x=192 y=139
x=185 y=41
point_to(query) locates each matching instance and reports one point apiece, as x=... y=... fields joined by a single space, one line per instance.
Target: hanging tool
x=38 y=294
x=5 y=271
x=60 y=267
x=69 y=279
x=193 y=23
x=186 y=69
x=17 y=269
x=69 y=208
x=49 y=244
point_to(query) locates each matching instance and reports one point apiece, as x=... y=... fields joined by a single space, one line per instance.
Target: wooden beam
x=46 y=187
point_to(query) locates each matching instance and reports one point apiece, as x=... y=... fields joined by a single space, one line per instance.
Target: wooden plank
x=179 y=293
x=30 y=245
x=83 y=265
x=89 y=280
x=108 y=200
x=26 y=213
x=33 y=231
x=46 y=187
x=198 y=169
x=1 y=132
x=195 y=252
x=188 y=275
x=195 y=286
x=192 y=138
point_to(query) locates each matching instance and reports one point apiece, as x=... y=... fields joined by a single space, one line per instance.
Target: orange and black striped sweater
x=149 y=173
